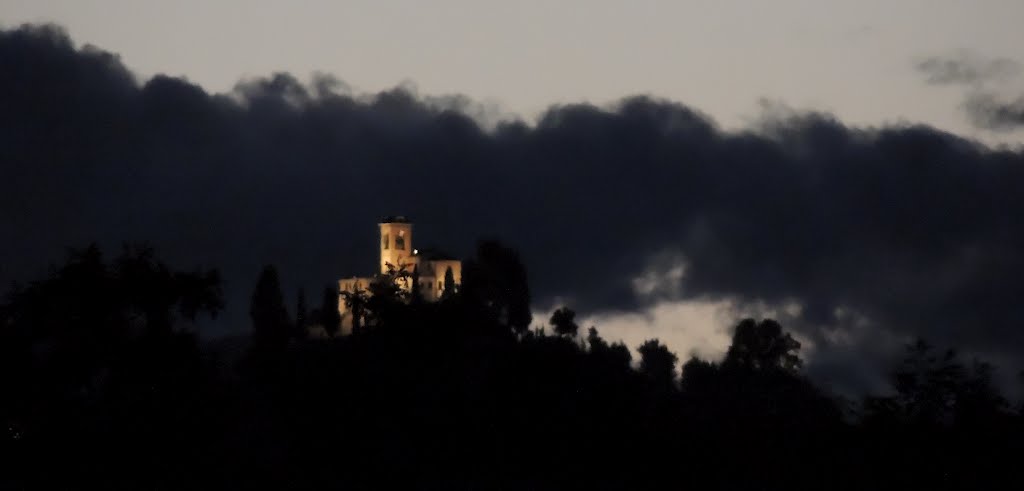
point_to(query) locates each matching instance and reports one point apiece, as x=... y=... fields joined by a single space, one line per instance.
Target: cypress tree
x=270 y=325
x=329 y=314
x=449 y=283
x=300 y=314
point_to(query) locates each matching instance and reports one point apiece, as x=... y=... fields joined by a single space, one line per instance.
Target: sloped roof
x=395 y=219
x=431 y=254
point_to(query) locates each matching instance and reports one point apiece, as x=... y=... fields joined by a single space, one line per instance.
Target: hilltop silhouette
x=107 y=386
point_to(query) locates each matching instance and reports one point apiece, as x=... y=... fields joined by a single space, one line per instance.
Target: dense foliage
x=106 y=386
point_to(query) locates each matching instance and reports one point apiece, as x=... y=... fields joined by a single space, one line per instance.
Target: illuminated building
x=398 y=253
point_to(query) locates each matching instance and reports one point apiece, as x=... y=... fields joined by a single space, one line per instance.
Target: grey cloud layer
x=913 y=229
x=985 y=107
x=966 y=68
x=991 y=112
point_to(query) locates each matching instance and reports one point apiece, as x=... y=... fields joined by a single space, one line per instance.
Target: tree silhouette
x=657 y=363
x=301 y=314
x=87 y=307
x=926 y=383
x=496 y=279
x=563 y=322
x=356 y=302
x=449 y=284
x=104 y=350
x=396 y=276
x=330 y=315
x=699 y=376
x=271 y=329
x=937 y=389
x=415 y=295
x=388 y=293
x=978 y=401
x=762 y=346
x=595 y=342
x=1020 y=405
x=616 y=355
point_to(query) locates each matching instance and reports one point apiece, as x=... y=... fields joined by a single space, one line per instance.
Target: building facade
x=398 y=252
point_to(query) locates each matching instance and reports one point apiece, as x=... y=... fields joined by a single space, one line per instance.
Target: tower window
x=438 y=285
x=384 y=241
x=399 y=243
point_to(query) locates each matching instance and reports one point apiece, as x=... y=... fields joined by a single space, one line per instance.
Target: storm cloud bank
x=856 y=234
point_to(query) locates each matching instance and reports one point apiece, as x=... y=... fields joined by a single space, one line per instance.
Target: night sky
x=644 y=214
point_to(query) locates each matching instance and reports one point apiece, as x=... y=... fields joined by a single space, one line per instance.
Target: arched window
x=399 y=243
x=384 y=241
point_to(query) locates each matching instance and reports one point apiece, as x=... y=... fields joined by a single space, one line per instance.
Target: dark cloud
x=906 y=229
x=966 y=69
x=991 y=112
x=984 y=106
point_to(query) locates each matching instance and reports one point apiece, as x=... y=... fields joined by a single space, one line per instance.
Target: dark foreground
x=104 y=389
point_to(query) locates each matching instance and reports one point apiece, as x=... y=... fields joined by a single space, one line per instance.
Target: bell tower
x=395 y=242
